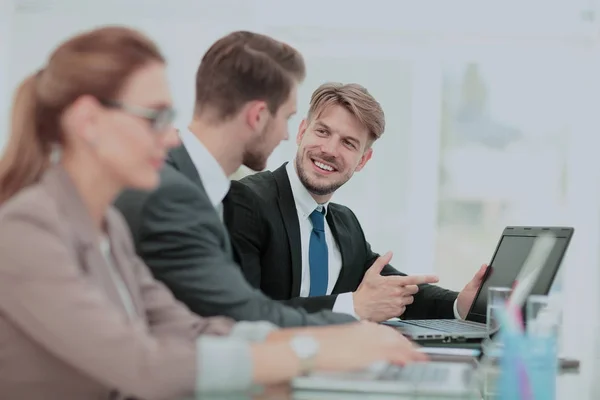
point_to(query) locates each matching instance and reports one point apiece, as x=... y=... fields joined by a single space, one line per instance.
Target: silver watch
x=306 y=348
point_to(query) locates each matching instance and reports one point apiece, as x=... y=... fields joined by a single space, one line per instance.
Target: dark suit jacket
x=180 y=236
x=261 y=216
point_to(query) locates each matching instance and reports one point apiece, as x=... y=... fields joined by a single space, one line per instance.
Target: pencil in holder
x=528 y=367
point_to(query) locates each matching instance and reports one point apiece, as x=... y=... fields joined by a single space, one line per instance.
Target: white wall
x=184 y=37
x=398 y=54
x=6 y=38
x=183 y=34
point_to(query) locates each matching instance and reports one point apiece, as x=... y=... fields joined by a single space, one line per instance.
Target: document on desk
x=447 y=354
x=451 y=351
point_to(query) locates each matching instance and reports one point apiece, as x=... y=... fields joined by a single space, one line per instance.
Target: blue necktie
x=318 y=256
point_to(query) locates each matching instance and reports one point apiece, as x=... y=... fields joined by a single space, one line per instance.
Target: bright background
x=491 y=113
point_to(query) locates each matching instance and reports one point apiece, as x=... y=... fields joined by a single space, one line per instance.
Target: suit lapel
x=287 y=207
x=86 y=239
x=339 y=232
x=228 y=215
x=180 y=159
x=94 y=264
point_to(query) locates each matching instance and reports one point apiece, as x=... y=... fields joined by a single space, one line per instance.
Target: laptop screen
x=511 y=253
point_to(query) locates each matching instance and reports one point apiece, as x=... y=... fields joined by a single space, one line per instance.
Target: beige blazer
x=64 y=332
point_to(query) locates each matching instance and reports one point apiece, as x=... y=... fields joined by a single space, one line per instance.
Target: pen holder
x=528 y=367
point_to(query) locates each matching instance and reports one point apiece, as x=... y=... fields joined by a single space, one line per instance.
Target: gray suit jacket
x=64 y=333
x=180 y=236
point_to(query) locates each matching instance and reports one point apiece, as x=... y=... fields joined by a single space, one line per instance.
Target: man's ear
x=363 y=160
x=257 y=115
x=301 y=131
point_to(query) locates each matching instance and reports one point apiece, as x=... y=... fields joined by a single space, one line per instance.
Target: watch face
x=305 y=346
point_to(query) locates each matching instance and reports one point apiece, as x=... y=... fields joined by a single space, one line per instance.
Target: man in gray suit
x=245 y=94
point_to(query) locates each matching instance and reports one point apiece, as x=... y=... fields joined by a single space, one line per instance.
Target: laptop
x=507 y=262
x=447 y=379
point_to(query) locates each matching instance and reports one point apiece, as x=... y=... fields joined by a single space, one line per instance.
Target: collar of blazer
x=59 y=185
x=180 y=159
x=74 y=213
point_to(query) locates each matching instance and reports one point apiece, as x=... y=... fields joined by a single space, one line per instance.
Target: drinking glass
x=497 y=299
x=543 y=317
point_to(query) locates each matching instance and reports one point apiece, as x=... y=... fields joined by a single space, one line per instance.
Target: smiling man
x=299 y=248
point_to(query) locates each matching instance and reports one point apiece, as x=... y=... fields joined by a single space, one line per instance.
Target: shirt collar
x=213 y=177
x=305 y=204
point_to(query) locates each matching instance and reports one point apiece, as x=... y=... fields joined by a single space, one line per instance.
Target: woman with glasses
x=80 y=315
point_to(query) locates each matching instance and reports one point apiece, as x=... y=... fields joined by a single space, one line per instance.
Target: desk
x=569 y=387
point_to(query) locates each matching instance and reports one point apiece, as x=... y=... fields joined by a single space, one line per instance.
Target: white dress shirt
x=215 y=181
x=305 y=205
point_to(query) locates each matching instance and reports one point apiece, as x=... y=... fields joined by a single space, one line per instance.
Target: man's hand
x=467 y=295
x=379 y=298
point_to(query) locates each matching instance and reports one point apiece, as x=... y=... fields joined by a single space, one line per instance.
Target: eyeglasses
x=160 y=119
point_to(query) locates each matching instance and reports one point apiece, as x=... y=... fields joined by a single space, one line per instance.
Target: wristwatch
x=306 y=348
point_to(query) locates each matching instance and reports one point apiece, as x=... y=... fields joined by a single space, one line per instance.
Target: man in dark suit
x=245 y=94
x=297 y=247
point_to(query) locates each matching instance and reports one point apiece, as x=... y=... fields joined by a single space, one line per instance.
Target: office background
x=492 y=113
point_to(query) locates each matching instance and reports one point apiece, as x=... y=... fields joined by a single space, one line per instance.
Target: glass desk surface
x=570 y=386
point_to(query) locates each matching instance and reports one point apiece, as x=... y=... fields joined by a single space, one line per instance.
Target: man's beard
x=319 y=190
x=254 y=156
x=255 y=161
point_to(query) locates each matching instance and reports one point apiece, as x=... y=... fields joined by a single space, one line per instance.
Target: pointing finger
x=413 y=279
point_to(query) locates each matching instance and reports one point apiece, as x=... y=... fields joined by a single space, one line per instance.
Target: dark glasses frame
x=160 y=119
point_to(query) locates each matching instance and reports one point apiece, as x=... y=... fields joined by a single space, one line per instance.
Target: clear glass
x=543 y=316
x=497 y=298
x=543 y=323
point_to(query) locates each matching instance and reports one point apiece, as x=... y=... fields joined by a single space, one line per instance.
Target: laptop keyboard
x=447 y=325
x=422 y=373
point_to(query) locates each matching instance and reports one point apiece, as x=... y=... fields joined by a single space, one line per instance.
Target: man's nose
x=329 y=146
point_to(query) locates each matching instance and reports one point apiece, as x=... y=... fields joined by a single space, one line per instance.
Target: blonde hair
x=356 y=99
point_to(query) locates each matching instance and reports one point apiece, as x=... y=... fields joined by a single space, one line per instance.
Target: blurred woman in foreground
x=80 y=315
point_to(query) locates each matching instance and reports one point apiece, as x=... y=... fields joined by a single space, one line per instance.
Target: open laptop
x=448 y=379
x=509 y=257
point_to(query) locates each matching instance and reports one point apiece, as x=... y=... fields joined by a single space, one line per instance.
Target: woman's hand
x=356 y=346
